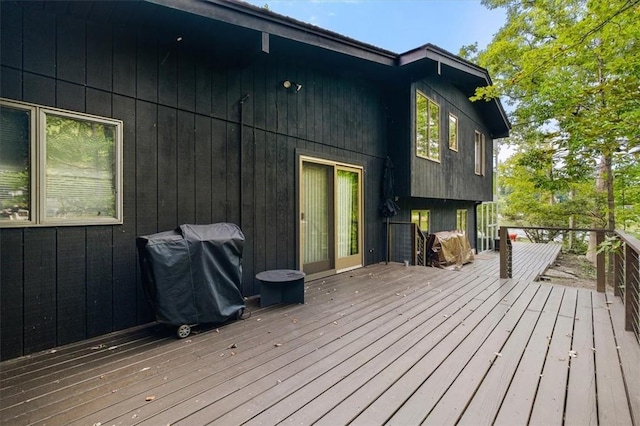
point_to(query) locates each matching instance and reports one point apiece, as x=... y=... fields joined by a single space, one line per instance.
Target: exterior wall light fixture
x=292 y=84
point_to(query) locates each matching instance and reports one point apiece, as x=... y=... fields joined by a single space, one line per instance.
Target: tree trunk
x=601 y=187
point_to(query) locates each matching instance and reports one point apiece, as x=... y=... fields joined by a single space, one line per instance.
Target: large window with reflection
x=58 y=167
x=427 y=127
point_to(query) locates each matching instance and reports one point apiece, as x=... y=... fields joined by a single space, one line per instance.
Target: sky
x=398 y=25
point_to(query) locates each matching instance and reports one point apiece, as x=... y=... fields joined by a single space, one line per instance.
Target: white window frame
x=37 y=162
x=479 y=147
x=415 y=108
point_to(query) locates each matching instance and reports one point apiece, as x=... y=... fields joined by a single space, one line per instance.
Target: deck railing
x=625 y=279
x=406 y=243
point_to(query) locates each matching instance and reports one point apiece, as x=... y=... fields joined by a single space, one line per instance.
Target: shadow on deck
x=382 y=344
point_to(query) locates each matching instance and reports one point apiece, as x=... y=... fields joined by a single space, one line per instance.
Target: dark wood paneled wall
x=184 y=160
x=453 y=177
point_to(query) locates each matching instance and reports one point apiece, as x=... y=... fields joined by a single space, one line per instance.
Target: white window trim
x=37 y=154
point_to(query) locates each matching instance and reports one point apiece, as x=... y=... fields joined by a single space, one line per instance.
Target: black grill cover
x=193 y=275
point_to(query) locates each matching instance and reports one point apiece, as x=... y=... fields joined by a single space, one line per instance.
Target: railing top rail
x=392 y=222
x=553 y=228
x=629 y=240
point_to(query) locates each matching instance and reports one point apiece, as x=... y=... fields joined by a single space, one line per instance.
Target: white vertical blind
x=347 y=213
x=316 y=212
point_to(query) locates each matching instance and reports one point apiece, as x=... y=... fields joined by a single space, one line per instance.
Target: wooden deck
x=387 y=344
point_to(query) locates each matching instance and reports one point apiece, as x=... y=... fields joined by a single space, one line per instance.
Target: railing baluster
x=414 y=237
x=631 y=289
x=600 y=264
x=618 y=271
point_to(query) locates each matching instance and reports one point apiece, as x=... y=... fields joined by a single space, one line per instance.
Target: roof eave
x=244 y=15
x=251 y=17
x=443 y=57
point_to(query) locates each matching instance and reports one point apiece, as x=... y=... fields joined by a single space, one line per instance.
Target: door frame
x=357 y=260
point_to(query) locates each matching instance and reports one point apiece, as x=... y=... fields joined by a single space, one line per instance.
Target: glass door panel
x=348 y=218
x=316 y=218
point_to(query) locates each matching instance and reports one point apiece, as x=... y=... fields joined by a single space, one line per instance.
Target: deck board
x=395 y=400
x=629 y=356
x=613 y=409
x=336 y=343
x=357 y=370
x=548 y=407
x=581 y=394
x=517 y=403
x=383 y=344
x=455 y=399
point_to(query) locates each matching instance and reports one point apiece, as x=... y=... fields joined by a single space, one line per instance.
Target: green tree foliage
x=533 y=192
x=627 y=193
x=570 y=69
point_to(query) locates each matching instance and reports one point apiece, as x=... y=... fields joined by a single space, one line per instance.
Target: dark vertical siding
x=99 y=57
x=186 y=168
x=11 y=291
x=400 y=146
x=260 y=213
x=71 y=279
x=125 y=286
x=203 y=170
x=99 y=280
x=271 y=200
x=248 y=202
x=40 y=331
x=219 y=162
x=187 y=158
x=453 y=177
x=167 y=168
x=39 y=48
x=125 y=61
x=70 y=49
x=11 y=22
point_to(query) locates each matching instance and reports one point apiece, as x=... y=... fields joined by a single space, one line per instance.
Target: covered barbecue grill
x=193 y=275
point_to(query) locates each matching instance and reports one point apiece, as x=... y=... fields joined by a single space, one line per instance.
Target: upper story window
x=453 y=132
x=58 y=167
x=427 y=127
x=479 y=154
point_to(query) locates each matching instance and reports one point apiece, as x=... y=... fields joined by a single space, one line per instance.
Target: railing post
x=600 y=264
x=504 y=256
x=414 y=237
x=631 y=286
x=389 y=238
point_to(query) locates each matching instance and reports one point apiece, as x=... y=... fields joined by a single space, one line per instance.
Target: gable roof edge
x=248 y=16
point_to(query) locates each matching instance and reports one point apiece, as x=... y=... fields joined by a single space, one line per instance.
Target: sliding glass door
x=330 y=216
